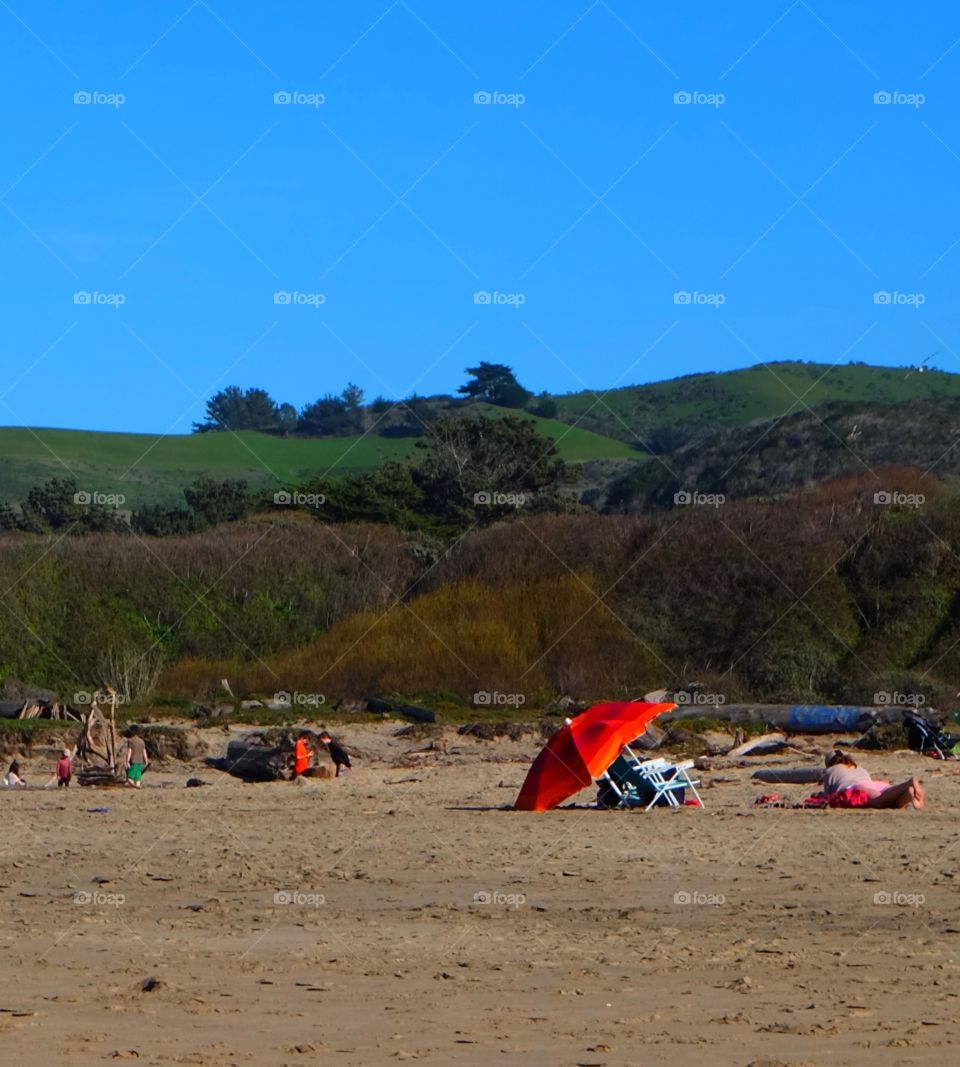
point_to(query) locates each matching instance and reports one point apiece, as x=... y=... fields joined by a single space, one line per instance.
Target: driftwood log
x=791 y=718
x=35 y=708
x=100 y=776
x=408 y=711
x=758 y=745
x=788 y=775
x=254 y=763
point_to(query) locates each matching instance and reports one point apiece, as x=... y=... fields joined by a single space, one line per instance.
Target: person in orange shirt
x=301 y=754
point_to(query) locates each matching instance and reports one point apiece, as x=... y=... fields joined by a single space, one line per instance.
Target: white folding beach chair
x=667 y=780
x=653 y=778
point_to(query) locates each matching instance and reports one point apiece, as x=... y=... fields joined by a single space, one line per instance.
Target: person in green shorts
x=137 y=758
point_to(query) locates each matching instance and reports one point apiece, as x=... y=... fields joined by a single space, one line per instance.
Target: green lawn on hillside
x=735 y=398
x=151 y=469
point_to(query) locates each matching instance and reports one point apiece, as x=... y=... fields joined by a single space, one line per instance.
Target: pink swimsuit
x=840 y=777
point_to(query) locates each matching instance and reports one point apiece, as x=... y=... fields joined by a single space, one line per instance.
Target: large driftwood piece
x=791 y=718
x=254 y=763
x=102 y=776
x=98 y=736
x=788 y=775
x=35 y=708
x=756 y=745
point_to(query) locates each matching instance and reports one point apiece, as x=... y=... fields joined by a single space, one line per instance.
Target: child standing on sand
x=64 y=768
x=339 y=755
x=301 y=753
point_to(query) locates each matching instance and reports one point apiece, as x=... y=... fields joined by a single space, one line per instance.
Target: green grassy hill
x=146 y=468
x=673 y=411
x=605 y=434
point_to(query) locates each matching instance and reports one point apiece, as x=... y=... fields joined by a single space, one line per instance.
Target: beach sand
x=375 y=919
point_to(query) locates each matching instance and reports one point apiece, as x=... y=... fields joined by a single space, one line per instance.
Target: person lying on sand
x=12 y=778
x=842 y=773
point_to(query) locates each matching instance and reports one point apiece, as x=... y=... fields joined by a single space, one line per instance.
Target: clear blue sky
x=493 y=197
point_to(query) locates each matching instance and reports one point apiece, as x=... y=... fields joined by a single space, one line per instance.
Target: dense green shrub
x=822 y=597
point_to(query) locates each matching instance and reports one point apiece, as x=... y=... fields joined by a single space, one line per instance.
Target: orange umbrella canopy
x=583 y=750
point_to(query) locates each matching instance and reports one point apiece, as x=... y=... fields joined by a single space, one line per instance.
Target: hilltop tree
x=287 y=419
x=496 y=384
x=546 y=407
x=234 y=409
x=478 y=470
x=401 y=418
x=352 y=397
x=334 y=416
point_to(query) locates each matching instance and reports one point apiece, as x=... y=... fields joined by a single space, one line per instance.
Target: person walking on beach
x=301 y=753
x=137 y=758
x=339 y=755
x=64 y=768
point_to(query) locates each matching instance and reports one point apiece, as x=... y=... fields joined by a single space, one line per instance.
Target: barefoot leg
x=901 y=795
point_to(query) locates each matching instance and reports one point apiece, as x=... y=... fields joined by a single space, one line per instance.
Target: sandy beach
x=395 y=914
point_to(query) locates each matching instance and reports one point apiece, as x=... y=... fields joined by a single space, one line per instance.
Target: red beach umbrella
x=581 y=751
